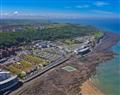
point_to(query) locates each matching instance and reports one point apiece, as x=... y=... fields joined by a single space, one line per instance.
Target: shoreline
x=88 y=88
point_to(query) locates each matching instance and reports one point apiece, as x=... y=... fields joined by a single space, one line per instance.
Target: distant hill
x=51 y=32
x=22 y=21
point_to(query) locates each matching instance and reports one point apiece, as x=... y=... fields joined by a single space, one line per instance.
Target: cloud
x=82 y=6
x=15 y=13
x=102 y=12
x=99 y=3
x=62 y=16
x=77 y=6
x=11 y=13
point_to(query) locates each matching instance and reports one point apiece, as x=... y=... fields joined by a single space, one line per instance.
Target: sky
x=59 y=8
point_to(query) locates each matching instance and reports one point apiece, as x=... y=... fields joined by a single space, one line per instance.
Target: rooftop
x=4 y=75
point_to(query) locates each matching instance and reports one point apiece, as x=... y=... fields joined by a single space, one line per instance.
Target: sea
x=107 y=77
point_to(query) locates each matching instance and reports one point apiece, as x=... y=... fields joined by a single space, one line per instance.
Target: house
x=42 y=45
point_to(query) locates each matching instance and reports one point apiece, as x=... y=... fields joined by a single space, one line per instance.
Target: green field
x=35 y=60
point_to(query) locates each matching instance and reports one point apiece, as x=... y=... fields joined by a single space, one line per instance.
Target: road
x=47 y=68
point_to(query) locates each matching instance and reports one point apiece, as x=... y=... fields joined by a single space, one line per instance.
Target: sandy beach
x=88 y=88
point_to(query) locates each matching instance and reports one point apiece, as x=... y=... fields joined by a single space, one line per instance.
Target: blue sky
x=60 y=8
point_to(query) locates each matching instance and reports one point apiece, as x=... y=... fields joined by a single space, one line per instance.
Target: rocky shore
x=61 y=82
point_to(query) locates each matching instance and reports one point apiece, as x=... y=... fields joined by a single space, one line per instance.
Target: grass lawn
x=14 y=70
x=35 y=60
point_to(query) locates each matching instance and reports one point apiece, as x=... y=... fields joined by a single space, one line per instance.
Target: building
x=42 y=45
x=3 y=60
x=82 y=51
x=7 y=81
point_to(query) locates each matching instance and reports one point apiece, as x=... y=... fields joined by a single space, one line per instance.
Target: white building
x=7 y=80
x=82 y=51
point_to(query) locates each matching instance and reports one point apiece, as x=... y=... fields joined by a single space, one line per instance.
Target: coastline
x=88 y=87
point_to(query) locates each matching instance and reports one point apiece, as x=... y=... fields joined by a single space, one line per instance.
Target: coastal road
x=59 y=61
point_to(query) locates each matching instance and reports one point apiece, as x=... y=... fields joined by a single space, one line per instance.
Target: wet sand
x=88 y=88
